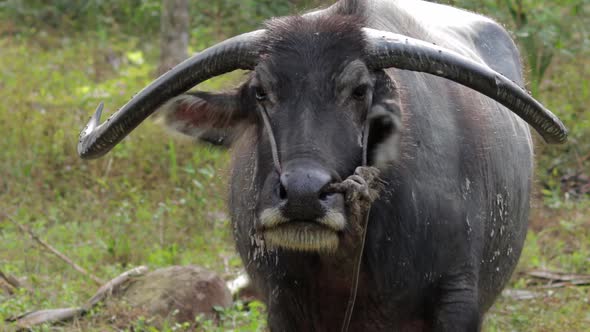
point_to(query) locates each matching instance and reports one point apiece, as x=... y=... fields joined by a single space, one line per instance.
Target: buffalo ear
x=385 y=124
x=209 y=117
x=384 y=135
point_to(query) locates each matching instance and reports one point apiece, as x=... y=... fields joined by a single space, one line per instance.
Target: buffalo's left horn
x=386 y=50
x=240 y=52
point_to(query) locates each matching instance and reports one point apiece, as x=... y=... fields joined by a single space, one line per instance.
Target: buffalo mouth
x=320 y=235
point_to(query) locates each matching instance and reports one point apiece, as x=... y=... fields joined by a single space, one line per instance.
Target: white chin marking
x=272 y=217
x=334 y=220
x=302 y=236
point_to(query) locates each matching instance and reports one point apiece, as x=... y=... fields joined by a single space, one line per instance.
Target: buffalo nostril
x=325 y=195
x=282 y=192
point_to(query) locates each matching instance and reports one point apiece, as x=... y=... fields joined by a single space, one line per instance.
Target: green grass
x=159 y=201
x=559 y=241
x=153 y=201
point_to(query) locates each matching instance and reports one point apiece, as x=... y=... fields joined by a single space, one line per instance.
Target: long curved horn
x=240 y=52
x=388 y=49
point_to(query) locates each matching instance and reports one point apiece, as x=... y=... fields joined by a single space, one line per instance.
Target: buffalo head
x=318 y=83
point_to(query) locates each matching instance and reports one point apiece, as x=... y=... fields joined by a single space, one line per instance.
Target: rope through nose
x=272 y=141
x=362 y=209
x=366 y=142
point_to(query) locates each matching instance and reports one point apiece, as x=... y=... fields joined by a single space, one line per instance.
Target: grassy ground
x=158 y=201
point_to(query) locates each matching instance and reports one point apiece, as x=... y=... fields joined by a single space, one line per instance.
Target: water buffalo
x=416 y=85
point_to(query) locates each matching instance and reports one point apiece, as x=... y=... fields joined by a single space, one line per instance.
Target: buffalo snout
x=303 y=192
x=302 y=212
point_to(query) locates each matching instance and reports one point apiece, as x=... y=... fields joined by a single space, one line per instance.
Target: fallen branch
x=56 y=252
x=560 y=279
x=567 y=284
x=30 y=319
x=521 y=294
x=114 y=285
x=10 y=280
x=7 y=288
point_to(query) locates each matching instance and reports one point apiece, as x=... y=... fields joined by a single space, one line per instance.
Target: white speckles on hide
x=501 y=206
x=466 y=188
x=496 y=255
x=509 y=251
x=275 y=292
x=259 y=246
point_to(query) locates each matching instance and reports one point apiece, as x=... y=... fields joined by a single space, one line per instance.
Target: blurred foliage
x=29 y=16
x=211 y=19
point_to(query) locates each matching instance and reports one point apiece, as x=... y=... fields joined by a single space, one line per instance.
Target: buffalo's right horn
x=388 y=49
x=240 y=52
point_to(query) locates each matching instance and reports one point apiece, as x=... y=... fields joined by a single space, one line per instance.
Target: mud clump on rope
x=360 y=190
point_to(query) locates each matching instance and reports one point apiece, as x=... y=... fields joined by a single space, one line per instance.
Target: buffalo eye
x=360 y=92
x=260 y=94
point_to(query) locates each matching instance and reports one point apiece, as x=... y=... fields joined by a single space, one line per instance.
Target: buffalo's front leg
x=457 y=306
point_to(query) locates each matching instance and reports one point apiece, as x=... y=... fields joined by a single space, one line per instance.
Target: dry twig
x=10 y=280
x=115 y=285
x=560 y=279
x=30 y=319
x=56 y=252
